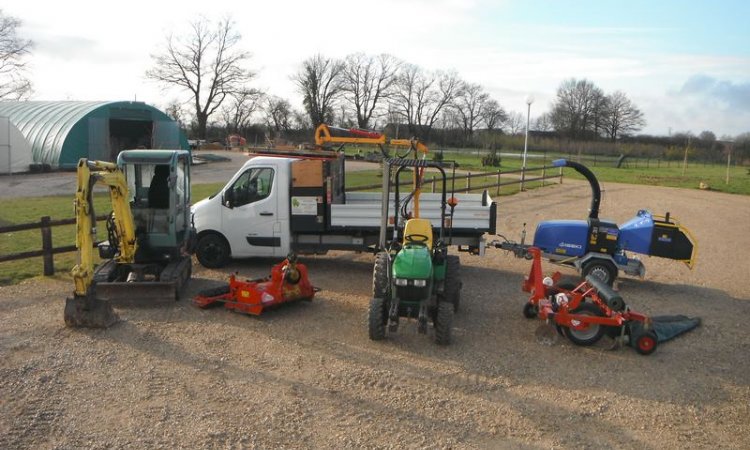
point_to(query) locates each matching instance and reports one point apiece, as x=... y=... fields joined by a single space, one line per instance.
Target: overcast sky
x=686 y=64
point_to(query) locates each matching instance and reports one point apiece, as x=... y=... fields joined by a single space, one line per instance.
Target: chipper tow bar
x=584 y=313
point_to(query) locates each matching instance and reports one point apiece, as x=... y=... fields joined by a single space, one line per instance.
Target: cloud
x=734 y=96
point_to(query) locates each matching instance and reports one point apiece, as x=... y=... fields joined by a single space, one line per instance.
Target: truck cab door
x=250 y=213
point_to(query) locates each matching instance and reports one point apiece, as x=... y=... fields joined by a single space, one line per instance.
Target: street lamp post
x=529 y=101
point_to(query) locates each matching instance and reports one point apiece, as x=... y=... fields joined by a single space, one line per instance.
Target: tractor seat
x=419 y=227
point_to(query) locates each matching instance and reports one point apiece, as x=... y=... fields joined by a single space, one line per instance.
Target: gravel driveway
x=306 y=376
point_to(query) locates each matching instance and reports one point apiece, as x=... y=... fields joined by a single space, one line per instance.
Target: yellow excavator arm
x=108 y=174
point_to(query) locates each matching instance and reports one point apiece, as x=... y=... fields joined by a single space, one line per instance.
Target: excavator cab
x=159 y=195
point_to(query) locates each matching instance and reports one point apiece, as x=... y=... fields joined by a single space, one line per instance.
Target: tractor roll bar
x=417 y=163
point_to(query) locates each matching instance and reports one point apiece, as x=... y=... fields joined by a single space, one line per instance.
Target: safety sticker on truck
x=305 y=206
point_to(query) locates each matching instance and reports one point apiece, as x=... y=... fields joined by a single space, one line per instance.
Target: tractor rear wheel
x=443 y=322
x=377 y=318
x=588 y=334
x=602 y=269
x=453 y=283
x=380 y=285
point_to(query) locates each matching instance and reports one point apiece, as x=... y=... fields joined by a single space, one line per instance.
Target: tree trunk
x=202 y=119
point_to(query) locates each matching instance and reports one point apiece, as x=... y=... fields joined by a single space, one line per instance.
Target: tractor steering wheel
x=417 y=238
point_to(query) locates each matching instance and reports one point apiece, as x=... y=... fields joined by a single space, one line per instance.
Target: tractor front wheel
x=377 y=318
x=443 y=323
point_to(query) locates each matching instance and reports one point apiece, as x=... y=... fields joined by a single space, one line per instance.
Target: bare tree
x=13 y=52
x=575 y=110
x=621 y=116
x=205 y=62
x=174 y=110
x=238 y=112
x=419 y=97
x=320 y=83
x=366 y=81
x=470 y=103
x=278 y=114
x=493 y=114
x=543 y=122
x=515 y=122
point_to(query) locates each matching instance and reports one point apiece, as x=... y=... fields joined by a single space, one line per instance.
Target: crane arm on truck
x=325 y=134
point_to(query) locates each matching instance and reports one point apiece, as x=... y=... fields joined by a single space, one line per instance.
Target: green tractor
x=414 y=276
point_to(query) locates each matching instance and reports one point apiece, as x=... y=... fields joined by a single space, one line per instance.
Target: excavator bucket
x=89 y=312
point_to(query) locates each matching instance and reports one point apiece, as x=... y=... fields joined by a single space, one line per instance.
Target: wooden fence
x=47 y=252
x=519 y=177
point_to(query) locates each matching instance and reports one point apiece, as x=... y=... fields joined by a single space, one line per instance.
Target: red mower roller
x=586 y=312
x=288 y=282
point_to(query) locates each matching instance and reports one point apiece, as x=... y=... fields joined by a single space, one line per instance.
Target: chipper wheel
x=378 y=318
x=590 y=333
x=453 y=282
x=443 y=322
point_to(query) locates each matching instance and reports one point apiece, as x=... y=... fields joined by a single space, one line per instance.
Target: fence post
x=468 y=182
x=544 y=173
x=49 y=260
x=497 y=194
x=433 y=184
x=560 y=175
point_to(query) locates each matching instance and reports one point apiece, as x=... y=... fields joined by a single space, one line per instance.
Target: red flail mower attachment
x=586 y=312
x=288 y=282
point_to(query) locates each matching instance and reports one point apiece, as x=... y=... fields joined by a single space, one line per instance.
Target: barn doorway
x=129 y=134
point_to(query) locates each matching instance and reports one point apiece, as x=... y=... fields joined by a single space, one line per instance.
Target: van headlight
x=420 y=283
x=401 y=281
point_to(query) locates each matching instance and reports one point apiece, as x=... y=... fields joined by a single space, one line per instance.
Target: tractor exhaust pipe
x=596 y=192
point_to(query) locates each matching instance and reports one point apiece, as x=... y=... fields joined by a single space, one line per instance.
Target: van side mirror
x=228 y=198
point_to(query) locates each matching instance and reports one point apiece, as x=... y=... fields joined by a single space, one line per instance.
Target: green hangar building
x=60 y=133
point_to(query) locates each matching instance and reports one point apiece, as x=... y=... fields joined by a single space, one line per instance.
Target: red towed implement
x=584 y=313
x=288 y=282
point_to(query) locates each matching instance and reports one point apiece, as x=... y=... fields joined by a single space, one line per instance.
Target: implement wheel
x=530 y=310
x=587 y=334
x=645 y=343
x=377 y=319
x=453 y=283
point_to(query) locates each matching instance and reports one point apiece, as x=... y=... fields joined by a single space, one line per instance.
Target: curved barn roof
x=46 y=125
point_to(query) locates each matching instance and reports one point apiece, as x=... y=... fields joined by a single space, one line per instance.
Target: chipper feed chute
x=660 y=236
